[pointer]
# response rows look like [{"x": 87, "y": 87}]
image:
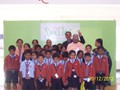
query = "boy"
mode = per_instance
[
  {"x": 56, "y": 74},
  {"x": 11, "y": 68},
  {"x": 48, "y": 58},
  {"x": 27, "y": 72},
  {"x": 41, "y": 73},
  {"x": 101, "y": 68},
  {"x": 88, "y": 72}
]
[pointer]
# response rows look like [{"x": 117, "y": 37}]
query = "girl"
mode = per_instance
[
  {"x": 72, "y": 71},
  {"x": 34, "y": 57}
]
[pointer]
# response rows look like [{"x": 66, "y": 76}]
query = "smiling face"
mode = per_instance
[
  {"x": 87, "y": 58},
  {"x": 49, "y": 43},
  {"x": 40, "y": 59},
  {"x": 27, "y": 56},
  {"x": 75, "y": 38},
  {"x": 12, "y": 52},
  {"x": 56, "y": 59},
  {"x": 72, "y": 55},
  {"x": 19, "y": 43},
  {"x": 80, "y": 55},
  {"x": 88, "y": 49}
]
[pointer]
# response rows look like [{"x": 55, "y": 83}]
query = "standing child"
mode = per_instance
[
  {"x": 89, "y": 50},
  {"x": 48, "y": 58},
  {"x": 35, "y": 57},
  {"x": 11, "y": 68},
  {"x": 27, "y": 72},
  {"x": 88, "y": 72},
  {"x": 56, "y": 74},
  {"x": 41, "y": 74},
  {"x": 80, "y": 57},
  {"x": 72, "y": 71},
  {"x": 101, "y": 68}
]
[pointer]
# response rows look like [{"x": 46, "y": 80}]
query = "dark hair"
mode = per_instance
[
  {"x": 72, "y": 51},
  {"x": 35, "y": 52},
  {"x": 43, "y": 50},
  {"x": 12, "y": 47},
  {"x": 34, "y": 40},
  {"x": 100, "y": 47},
  {"x": 87, "y": 54},
  {"x": 19, "y": 40},
  {"x": 27, "y": 51},
  {"x": 37, "y": 46},
  {"x": 63, "y": 47},
  {"x": 65, "y": 54},
  {"x": 68, "y": 32},
  {"x": 41, "y": 55},
  {"x": 27, "y": 44},
  {"x": 46, "y": 46},
  {"x": 55, "y": 55},
  {"x": 100, "y": 41},
  {"x": 88, "y": 46},
  {"x": 48, "y": 51},
  {"x": 55, "y": 47},
  {"x": 59, "y": 44},
  {"x": 80, "y": 51}
]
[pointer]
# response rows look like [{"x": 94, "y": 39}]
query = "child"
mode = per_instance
[
  {"x": 101, "y": 68},
  {"x": 88, "y": 72},
  {"x": 48, "y": 58},
  {"x": 46, "y": 47},
  {"x": 34, "y": 57},
  {"x": 80, "y": 58},
  {"x": 56, "y": 74},
  {"x": 43, "y": 52},
  {"x": 11, "y": 68},
  {"x": 38, "y": 48},
  {"x": 72, "y": 71},
  {"x": 63, "y": 49},
  {"x": 89, "y": 50},
  {"x": 34, "y": 43},
  {"x": 27, "y": 72},
  {"x": 41, "y": 73}
]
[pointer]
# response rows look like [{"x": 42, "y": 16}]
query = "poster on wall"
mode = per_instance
[{"x": 56, "y": 31}]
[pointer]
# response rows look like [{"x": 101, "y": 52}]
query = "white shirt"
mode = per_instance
[
  {"x": 31, "y": 68},
  {"x": 48, "y": 61}
]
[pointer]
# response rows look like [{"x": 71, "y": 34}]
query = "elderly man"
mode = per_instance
[
  {"x": 76, "y": 45},
  {"x": 69, "y": 40}
]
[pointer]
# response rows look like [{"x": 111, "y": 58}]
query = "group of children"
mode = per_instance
[{"x": 51, "y": 69}]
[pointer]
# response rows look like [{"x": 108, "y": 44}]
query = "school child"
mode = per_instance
[
  {"x": 38, "y": 48},
  {"x": 41, "y": 74},
  {"x": 88, "y": 72},
  {"x": 72, "y": 72},
  {"x": 63, "y": 49},
  {"x": 59, "y": 47},
  {"x": 80, "y": 57},
  {"x": 56, "y": 76},
  {"x": 43, "y": 52},
  {"x": 101, "y": 68},
  {"x": 89, "y": 50},
  {"x": 11, "y": 68},
  {"x": 27, "y": 70},
  {"x": 64, "y": 62},
  {"x": 54, "y": 51},
  {"x": 48, "y": 58},
  {"x": 46, "y": 47},
  {"x": 35, "y": 57}
]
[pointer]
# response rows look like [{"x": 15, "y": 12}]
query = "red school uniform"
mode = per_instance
[
  {"x": 56, "y": 72},
  {"x": 41, "y": 70},
  {"x": 101, "y": 65},
  {"x": 70, "y": 66},
  {"x": 88, "y": 71},
  {"x": 11, "y": 63}
]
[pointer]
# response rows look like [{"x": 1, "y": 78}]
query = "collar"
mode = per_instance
[
  {"x": 87, "y": 63},
  {"x": 12, "y": 56},
  {"x": 99, "y": 57},
  {"x": 72, "y": 60},
  {"x": 40, "y": 64},
  {"x": 56, "y": 63},
  {"x": 27, "y": 60}
]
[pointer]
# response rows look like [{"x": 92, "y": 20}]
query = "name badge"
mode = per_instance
[
  {"x": 100, "y": 72},
  {"x": 75, "y": 76},
  {"x": 27, "y": 75},
  {"x": 73, "y": 70},
  {"x": 56, "y": 75}
]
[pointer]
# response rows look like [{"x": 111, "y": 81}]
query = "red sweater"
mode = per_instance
[
  {"x": 43, "y": 70},
  {"x": 101, "y": 64},
  {"x": 59, "y": 70},
  {"x": 11, "y": 64}
]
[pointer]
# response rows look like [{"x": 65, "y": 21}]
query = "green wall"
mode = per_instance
[{"x": 29, "y": 30}]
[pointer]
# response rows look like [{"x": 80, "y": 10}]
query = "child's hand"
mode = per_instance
[
  {"x": 50, "y": 84},
  {"x": 46, "y": 83}
]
